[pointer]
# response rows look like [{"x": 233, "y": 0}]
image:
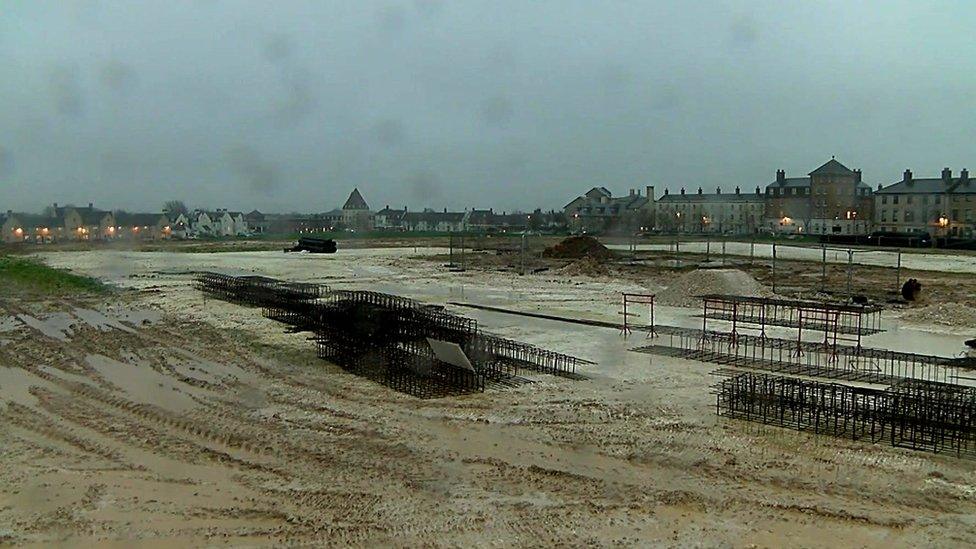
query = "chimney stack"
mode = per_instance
[
  {"x": 55, "y": 205},
  {"x": 946, "y": 175},
  {"x": 907, "y": 176},
  {"x": 91, "y": 205},
  {"x": 718, "y": 190},
  {"x": 857, "y": 176},
  {"x": 665, "y": 191},
  {"x": 650, "y": 192},
  {"x": 699, "y": 190},
  {"x": 781, "y": 177},
  {"x": 757, "y": 190},
  {"x": 682, "y": 190},
  {"x": 964, "y": 176},
  {"x": 736, "y": 189},
  {"x": 631, "y": 192}
]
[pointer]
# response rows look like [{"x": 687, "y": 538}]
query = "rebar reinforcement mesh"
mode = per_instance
[
  {"x": 919, "y": 415},
  {"x": 384, "y": 337}
]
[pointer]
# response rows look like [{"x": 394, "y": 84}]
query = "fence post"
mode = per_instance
[
  {"x": 850, "y": 273},
  {"x": 774, "y": 267},
  {"x": 898, "y": 273},
  {"x": 823, "y": 275}
]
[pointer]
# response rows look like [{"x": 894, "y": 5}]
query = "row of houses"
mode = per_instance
[
  {"x": 59, "y": 223},
  {"x": 73, "y": 223},
  {"x": 832, "y": 199},
  {"x": 356, "y": 215},
  {"x": 469, "y": 220}
]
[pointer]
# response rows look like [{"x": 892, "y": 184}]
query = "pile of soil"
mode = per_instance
[
  {"x": 586, "y": 266},
  {"x": 942, "y": 314},
  {"x": 578, "y": 247},
  {"x": 684, "y": 291}
]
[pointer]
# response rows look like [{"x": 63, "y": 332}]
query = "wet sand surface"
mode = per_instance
[{"x": 208, "y": 424}]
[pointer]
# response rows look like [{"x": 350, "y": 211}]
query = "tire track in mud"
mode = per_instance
[
  {"x": 30, "y": 420},
  {"x": 247, "y": 448}
]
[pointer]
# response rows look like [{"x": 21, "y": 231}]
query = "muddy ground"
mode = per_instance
[{"x": 207, "y": 424}]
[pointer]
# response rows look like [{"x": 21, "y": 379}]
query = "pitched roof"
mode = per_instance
[
  {"x": 391, "y": 214},
  {"x": 832, "y": 167},
  {"x": 791, "y": 182},
  {"x": 599, "y": 191},
  {"x": 89, "y": 215},
  {"x": 930, "y": 185},
  {"x": 712, "y": 197},
  {"x": 254, "y": 215},
  {"x": 34, "y": 220},
  {"x": 481, "y": 217},
  {"x": 355, "y": 201},
  {"x": 433, "y": 217},
  {"x": 126, "y": 219}
]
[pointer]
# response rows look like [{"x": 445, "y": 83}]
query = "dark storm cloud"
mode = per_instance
[
  {"x": 424, "y": 186},
  {"x": 506, "y": 104},
  {"x": 65, "y": 89},
  {"x": 744, "y": 32},
  {"x": 118, "y": 77},
  {"x": 297, "y": 101},
  {"x": 6, "y": 162},
  {"x": 497, "y": 110},
  {"x": 256, "y": 173},
  {"x": 277, "y": 48},
  {"x": 388, "y": 133}
]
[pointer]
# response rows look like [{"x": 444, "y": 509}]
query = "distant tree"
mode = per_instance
[
  {"x": 558, "y": 219},
  {"x": 175, "y": 207}
]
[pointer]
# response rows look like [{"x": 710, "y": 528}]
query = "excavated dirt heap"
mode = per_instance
[
  {"x": 586, "y": 266},
  {"x": 578, "y": 247},
  {"x": 943, "y": 314},
  {"x": 684, "y": 291}
]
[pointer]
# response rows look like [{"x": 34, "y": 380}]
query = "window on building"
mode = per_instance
[
  {"x": 894, "y": 199},
  {"x": 884, "y": 216},
  {"x": 925, "y": 200},
  {"x": 908, "y": 199},
  {"x": 884, "y": 199},
  {"x": 894, "y": 216},
  {"x": 909, "y": 216},
  {"x": 938, "y": 199}
]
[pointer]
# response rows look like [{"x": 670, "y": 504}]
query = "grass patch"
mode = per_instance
[{"x": 32, "y": 275}]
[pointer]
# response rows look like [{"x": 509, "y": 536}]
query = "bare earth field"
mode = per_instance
[{"x": 151, "y": 416}]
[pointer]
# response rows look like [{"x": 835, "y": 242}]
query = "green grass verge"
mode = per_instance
[{"x": 31, "y": 275}]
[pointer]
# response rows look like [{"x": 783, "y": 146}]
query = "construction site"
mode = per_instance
[{"x": 529, "y": 392}]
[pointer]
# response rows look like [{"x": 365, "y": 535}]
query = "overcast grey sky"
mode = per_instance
[{"x": 288, "y": 105}]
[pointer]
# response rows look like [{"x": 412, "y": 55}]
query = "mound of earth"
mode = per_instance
[
  {"x": 586, "y": 266},
  {"x": 943, "y": 314},
  {"x": 578, "y": 247},
  {"x": 684, "y": 291}
]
